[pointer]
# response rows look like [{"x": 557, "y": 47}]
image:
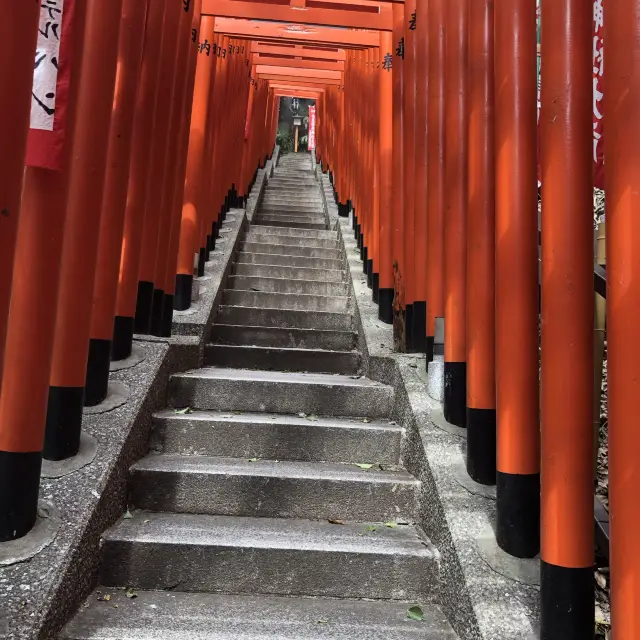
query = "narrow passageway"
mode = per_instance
[{"x": 272, "y": 504}]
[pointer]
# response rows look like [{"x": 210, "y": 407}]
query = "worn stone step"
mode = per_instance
[
  {"x": 284, "y": 337},
  {"x": 277, "y": 196},
  {"x": 294, "y": 273},
  {"x": 287, "y": 207},
  {"x": 198, "y": 616},
  {"x": 274, "y": 220},
  {"x": 244, "y": 257},
  {"x": 267, "y": 284},
  {"x": 284, "y": 318},
  {"x": 282, "y": 359},
  {"x": 293, "y": 301},
  {"x": 271, "y": 489},
  {"x": 235, "y": 555},
  {"x": 255, "y": 235},
  {"x": 220, "y": 389},
  {"x": 290, "y": 250},
  {"x": 292, "y": 231},
  {"x": 293, "y": 181},
  {"x": 276, "y": 437}
]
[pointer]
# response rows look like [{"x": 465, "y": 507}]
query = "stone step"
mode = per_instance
[
  {"x": 221, "y": 389},
  {"x": 198, "y": 616},
  {"x": 267, "y": 284},
  {"x": 294, "y": 273},
  {"x": 294, "y": 214},
  {"x": 271, "y": 489},
  {"x": 284, "y": 318},
  {"x": 282, "y": 359},
  {"x": 273, "y": 220},
  {"x": 255, "y": 235},
  {"x": 290, "y": 250},
  {"x": 244, "y": 257},
  {"x": 285, "y": 337},
  {"x": 292, "y": 231},
  {"x": 292, "y": 301},
  {"x": 290, "y": 208},
  {"x": 276, "y": 437},
  {"x": 278, "y": 196},
  {"x": 293, "y": 181},
  {"x": 236, "y": 555}
]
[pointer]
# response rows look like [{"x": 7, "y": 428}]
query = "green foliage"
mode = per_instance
[{"x": 284, "y": 141}]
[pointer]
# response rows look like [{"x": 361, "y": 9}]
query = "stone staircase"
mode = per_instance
[{"x": 274, "y": 506}]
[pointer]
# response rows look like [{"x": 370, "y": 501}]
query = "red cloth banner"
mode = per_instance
[
  {"x": 312, "y": 128},
  {"x": 50, "y": 94}
]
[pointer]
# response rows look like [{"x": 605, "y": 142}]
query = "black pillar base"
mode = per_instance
[
  {"x": 96, "y": 385},
  {"x": 215, "y": 232},
  {"x": 369, "y": 271},
  {"x": 408, "y": 330},
  {"x": 354, "y": 224},
  {"x": 207, "y": 249},
  {"x": 19, "y": 487},
  {"x": 363, "y": 254},
  {"x": 358, "y": 238},
  {"x": 122, "y": 338},
  {"x": 182, "y": 297},
  {"x": 481, "y": 445},
  {"x": 202, "y": 259},
  {"x": 385, "y": 305},
  {"x": 156, "y": 312},
  {"x": 167, "y": 315},
  {"x": 567, "y": 600},
  {"x": 429, "y": 347},
  {"x": 343, "y": 212},
  {"x": 376, "y": 288},
  {"x": 143, "y": 307},
  {"x": 455, "y": 393},
  {"x": 64, "y": 423},
  {"x": 518, "y": 520},
  {"x": 419, "y": 326}
]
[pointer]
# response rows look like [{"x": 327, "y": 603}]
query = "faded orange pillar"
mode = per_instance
[
  {"x": 622, "y": 183},
  {"x": 114, "y": 202},
  {"x": 139, "y": 180},
  {"x": 566, "y": 121},
  {"x": 455, "y": 227},
  {"x": 30, "y": 330},
  {"x": 435, "y": 179},
  {"x": 518, "y": 451},
  {"x": 18, "y": 36},
  {"x": 190, "y": 225},
  {"x": 79, "y": 254},
  {"x": 481, "y": 377}
]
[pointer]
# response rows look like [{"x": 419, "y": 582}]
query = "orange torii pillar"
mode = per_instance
[
  {"x": 191, "y": 222},
  {"x": 481, "y": 377},
  {"x": 18, "y": 36},
  {"x": 153, "y": 218},
  {"x": 114, "y": 202},
  {"x": 375, "y": 193},
  {"x": 622, "y": 180},
  {"x": 140, "y": 183},
  {"x": 32, "y": 317},
  {"x": 385, "y": 133},
  {"x": 79, "y": 254},
  {"x": 455, "y": 224},
  {"x": 517, "y": 406},
  {"x": 566, "y": 145},
  {"x": 398, "y": 180},
  {"x": 435, "y": 181}
]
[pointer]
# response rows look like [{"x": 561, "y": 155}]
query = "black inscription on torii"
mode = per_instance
[
  {"x": 387, "y": 63},
  {"x": 400, "y": 48},
  {"x": 412, "y": 22},
  {"x": 187, "y": 5}
]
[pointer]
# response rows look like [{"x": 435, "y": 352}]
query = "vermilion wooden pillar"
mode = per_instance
[
  {"x": 30, "y": 330},
  {"x": 518, "y": 452},
  {"x": 481, "y": 377},
  {"x": 18, "y": 35},
  {"x": 455, "y": 227},
  {"x": 191, "y": 215},
  {"x": 78, "y": 267},
  {"x": 435, "y": 177},
  {"x": 385, "y": 294},
  {"x": 622, "y": 184},
  {"x": 114, "y": 202},
  {"x": 375, "y": 149},
  {"x": 566, "y": 121},
  {"x": 139, "y": 179}
]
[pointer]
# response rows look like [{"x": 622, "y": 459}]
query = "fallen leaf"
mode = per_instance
[
  {"x": 130, "y": 593},
  {"x": 184, "y": 411},
  {"x": 371, "y": 527},
  {"x": 601, "y": 580},
  {"x": 313, "y": 418},
  {"x": 363, "y": 465},
  {"x": 302, "y": 415},
  {"x": 105, "y": 598},
  {"x": 128, "y": 516},
  {"x": 253, "y": 459},
  {"x": 391, "y": 525},
  {"x": 323, "y": 621},
  {"x": 366, "y": 420},
  {"x": 415, "y": 613},
  {"x": 332, "y": 521}
]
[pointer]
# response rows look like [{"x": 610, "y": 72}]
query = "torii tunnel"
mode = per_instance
[{"x": 143, "y": 122}]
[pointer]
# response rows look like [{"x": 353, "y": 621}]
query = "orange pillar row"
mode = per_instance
[
  {"x": 140, "y": 183},
  {"x": 385, "y": 133},
  {"x": 481, "y": 377},
  {"x": 31, "y": 324},
  {"x": 622, "y": 182},
  {"x": 455, "y": 226},
  {"x": 374, "y": 134},
  {"x": 114, "y": 202},
  {"x": 192, "y": 215},
  {"x": 18, "y": 37},
  {"x": 566, "y": 150},
  {"x": 79, "y": 254},
  {"x": 517, "y": 406}
]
